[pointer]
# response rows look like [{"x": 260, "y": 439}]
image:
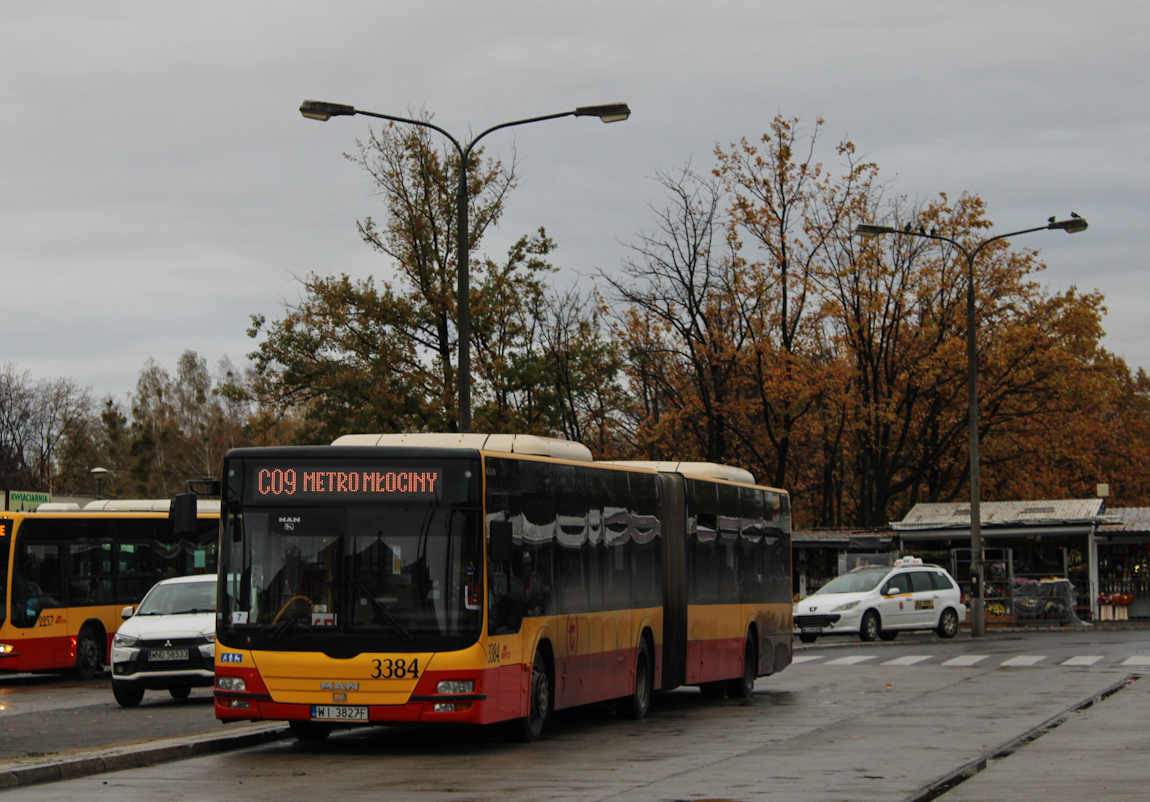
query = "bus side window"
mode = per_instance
[
  {"x": 518, "y": 496},
  {"x": 37, "y": 583}
]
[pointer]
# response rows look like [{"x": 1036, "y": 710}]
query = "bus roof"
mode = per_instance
[
  {"x": 507, "y": 443},
  {"x": 210, "y": 506},
  {"x": 703, "y": 470}
]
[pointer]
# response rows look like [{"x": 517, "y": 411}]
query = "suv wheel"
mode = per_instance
[{"x": 948, "y": 624}]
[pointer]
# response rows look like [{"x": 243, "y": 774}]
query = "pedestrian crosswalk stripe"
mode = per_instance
[
  {"x": 1082, "y": 660},
  {"x": 908, "y": 660},
  {"x": 1024, "y": 660},
  {"x": 805, "y": 658},
  {"x": 966, "y": 660},
  {"x": 850, "y": 661},
  {"x": 1137, "y": 660}
]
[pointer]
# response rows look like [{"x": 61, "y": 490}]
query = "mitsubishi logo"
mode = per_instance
[{"x": 167, "y": 643}]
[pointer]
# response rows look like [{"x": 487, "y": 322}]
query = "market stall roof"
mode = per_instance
[
  {"x": 842, "y": 538},
  {"x": 956, "y": 514},
  {"x": 1127, "y": 520}
]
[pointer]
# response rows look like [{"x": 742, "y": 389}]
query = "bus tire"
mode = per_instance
[
  {"x": 87, "y": 654},
  {"x": 310, "y": 731},
  {"x": 635, "y": 705},
  {"x": 529, "y": 729},
  {"x": 744, "y": 687},
  {"x": 128, "y": 694}
]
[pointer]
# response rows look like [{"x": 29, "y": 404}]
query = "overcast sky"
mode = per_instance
[{"x": 158, "y": 185}]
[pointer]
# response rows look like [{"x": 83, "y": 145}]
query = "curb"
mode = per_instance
[{"x": 134, "y": 757}]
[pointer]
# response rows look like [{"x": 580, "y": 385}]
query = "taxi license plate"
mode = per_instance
[
  {"x": 810, "y": 630},
  {"x": 338, "y": 713},
  {"x": 168, "y": 654}
]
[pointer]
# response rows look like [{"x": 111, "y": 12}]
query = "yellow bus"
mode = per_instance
[
  {"x": 489, "y": 578},
  {"x": 69, "y": 572}
]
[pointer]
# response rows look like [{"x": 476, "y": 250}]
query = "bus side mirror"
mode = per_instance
[
  {"x": 182, "y": 514},
  {"x": 500, "y": 545}
]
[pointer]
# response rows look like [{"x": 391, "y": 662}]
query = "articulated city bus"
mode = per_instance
[
  {"x": 489, "y": 578},
  {"x": 69, "y": 572}
]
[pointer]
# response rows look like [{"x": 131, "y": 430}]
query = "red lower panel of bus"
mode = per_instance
[
  {"x": 40, "y": 653},
  {"x": 714, "y": 660},
  {"x": 578, "y": 680}
]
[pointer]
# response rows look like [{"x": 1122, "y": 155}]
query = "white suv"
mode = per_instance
[
  {"x": 881, "y": 601},
  {"x": 169, "y": 643}
]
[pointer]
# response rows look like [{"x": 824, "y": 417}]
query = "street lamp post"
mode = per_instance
[
  {"x": 1071, "y": 226},
  {"x": 319, "y": 110},
  {"x": 99, "y": 474}
]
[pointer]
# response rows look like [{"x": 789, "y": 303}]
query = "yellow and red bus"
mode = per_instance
[
  {"x": 489, "y": 578},
  {"x": 69, "y": 572}
]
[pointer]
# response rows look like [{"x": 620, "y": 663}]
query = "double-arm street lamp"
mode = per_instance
[
  {"x": 318, "y": 110},
  {"x": 1071, "y": 226}
]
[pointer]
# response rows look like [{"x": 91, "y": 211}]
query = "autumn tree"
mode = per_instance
[
  {"x": 42, "y": 424},
  {"x": 381, "y": 355}
]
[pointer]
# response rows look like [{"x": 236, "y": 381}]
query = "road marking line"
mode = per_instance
[
  {"x": 908, "y": 660},
  {"x": 966, "y": 660},
  {"x": 1082, "y": 660},
  {"x": 1024, "y": 660},
  {"x": 1137, "y": 660},
  {"x": 806, "y": 658},
  {"x": 849, "y": 661}
]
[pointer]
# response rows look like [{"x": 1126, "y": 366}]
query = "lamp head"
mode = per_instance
[
  {"x": 610, "y": 113},
  {"x": 319, "y": 110},
  {"x": 1071, "y": 226},
  {"x": 870, "y": 232}
]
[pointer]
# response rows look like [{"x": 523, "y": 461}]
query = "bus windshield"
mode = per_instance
[{"x": 390, "y": 576}]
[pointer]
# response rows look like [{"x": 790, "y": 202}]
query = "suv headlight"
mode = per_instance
[
  {"x": 211, "y": 636},
  {"x": 842, "y": 608},
  {"x": 124, "y": 640}
]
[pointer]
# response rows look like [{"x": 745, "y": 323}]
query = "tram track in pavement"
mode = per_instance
[{"x": 943, "y": 785}]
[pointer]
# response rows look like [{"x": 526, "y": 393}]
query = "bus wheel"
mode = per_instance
[
  {"x": 127, "y": 694},
  {"x": 309, "y": 730},
  {"x": 744, "y": 686},
  {"x": 635, "y": 706},
  {"x": 529, "y": 728},
  {"x": 87, "y": 654}
]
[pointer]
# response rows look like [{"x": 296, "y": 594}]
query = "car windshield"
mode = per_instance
[
  {"x": 180, "y": 598},
  {"x": 861, "y": 582}
]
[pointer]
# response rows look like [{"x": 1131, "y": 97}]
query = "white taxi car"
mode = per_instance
[
  {"x": 169, "y": 643},
  {"x": 881, "y": 601}
]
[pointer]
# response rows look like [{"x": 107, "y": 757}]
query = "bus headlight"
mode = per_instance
[
  {"x": 231, "y": 684},
  {"x": 124, "y": 641},
  {"x": 456, "y": 686},
  {"x": 6, "y": 648}
]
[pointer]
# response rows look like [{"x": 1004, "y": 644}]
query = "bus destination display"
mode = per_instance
[{"x": 319, "y": 481}]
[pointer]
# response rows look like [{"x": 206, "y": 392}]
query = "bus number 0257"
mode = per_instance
[{"x": 395, "y": 669}]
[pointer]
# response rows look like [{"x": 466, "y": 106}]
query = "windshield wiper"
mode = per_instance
[
  {"x": 193, "y": 610},
  {"x": 384, "y": 613}
]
